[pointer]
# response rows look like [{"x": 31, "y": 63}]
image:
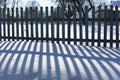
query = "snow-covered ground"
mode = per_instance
[{"x": 27, "y": 60}]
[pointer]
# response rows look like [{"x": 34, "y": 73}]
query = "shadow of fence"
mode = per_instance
[{"x": 51, "y": 61}]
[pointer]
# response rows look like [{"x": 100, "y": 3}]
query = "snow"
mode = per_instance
[{"x": 31, "y": 60}]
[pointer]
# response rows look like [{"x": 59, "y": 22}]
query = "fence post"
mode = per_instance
[
  {"x": 0, "y": 27},
  {"x": 75, "y": 30},
  {"x": 47, "y": 26},
  {"x": 93, "y": 25},
  {"x": 63, "y": 26},
  {"x": 99, "y": 25},
  {"x": 58, "y": 17},
  {"x": 80, "y": 29},
  {"x": 52, "y": 24},
  {"x": 22, "y": 29},
  {"x": 8, "y": 23},
  {"x": 111, "y": 26},
  {"x": 36, "y": 22},
  {"x": 117, "y": 26},
  {"x": 17, "y": 23},
  {"x": 41, "y": 21},
  {"x": 86, "y": 24},
  {"x": 105, "y": 26}
]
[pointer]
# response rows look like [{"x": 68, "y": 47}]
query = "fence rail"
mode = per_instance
[{"x": 52, "y": 25}]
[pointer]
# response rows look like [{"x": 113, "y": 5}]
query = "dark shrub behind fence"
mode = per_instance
[{"x": 52, "y": 25}]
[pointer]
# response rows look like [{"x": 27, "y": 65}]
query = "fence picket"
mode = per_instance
[
  {"x": 4, "y": 23},
  {"x": 47, "y": 27},
  {"x": 31, "y": 21},
  {"x": 69, "y": 24},
  {"x": 8, "y": 23},
  {"x": 111, "y": 26},
  {"x": 17, "y": 24},
  {"x": 0, "y": 26},
  {"x": 99, "y": 25},
  {"x": 36, "y": 22},
  {"x": 52, "y": 24},
  {"x": 80, "y": 29},
  {"x": 93, "y": 25},
  {"x": 41, "y": 21},
  {"x": 63, "y": 26},
  {"x": 75, "y": 30},
  {"x": 13, "y": 29},
  {"x": 58, "y": 17},
  {"x": 26, "y": 21},
  {"x": 105, "y": 26},
  {"x": 22, "y": 29},
  {"x": 117, "y": 27},
  {"x": 86, "y": 24}
]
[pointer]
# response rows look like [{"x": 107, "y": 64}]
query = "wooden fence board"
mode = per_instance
[
  {"x": 111, "y": 26},
  {"x": 105, "y": 27},
  {"x": 63, "y": 26},
  {"x": 41, "y": 21},
  {"x": 17, "y": 24},
  {"x": 117, "y": 27},
  {"x": 58, "y": 22},
  {"x": 86, "y": 24},
  {"x": 0, "y": 26},
  {"x": 80, "y": 31},
  {"x": 99, "y": 25},
  {"x": 31, "y": 21},
  {"x": 4, "y": 24},
  {"x": 75, "y": 30},
  {"x": 22, "y": 29},
  {"x": 93, "y": 25},
  {"x": 13, "y": 29},
  {"x": 47, "y": 26},
  {"x": 8, "y": 23},
  {"x": 69, "y": 23},
  {"x": 52, "y": 25},
  {"x": 26, "y": 16},
  {"x": 36, "y": 22}
]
